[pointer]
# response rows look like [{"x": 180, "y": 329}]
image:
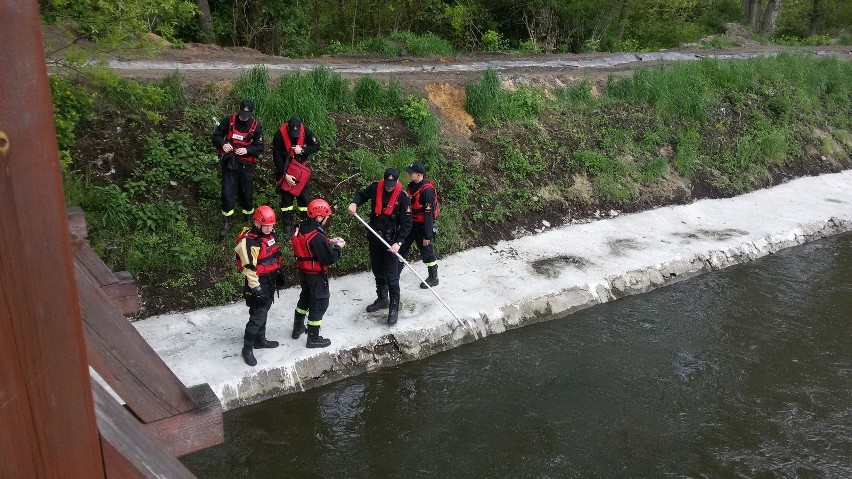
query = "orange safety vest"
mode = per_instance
[
  {"x": 387, "y": 210},
  {"x": 418, "y": 212},
  {"x": 306, "y": 262}
]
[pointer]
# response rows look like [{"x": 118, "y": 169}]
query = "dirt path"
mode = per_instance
[{"x": 202, "y": 63}]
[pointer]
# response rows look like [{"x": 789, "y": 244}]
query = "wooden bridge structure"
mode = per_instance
[{"x": 62, "y": 313}]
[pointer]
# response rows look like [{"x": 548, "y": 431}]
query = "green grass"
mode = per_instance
[{"x": 490, "y": 104}]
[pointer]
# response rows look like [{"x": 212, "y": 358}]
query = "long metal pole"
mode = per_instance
[{"x": 377, "y": 235}]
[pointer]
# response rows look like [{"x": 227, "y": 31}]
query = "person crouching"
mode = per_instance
[
  {"x": 259, "y": 260},
  {"x": 314, "y": 253}
]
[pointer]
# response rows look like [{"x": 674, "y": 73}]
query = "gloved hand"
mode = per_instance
[{"x": 257, "y": 292}]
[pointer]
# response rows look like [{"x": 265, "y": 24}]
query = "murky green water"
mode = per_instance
[{"x": 742, "y": 373}]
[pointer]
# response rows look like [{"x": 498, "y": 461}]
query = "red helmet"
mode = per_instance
[
  {"x": 319, "y": 207},
  {"x": 264, "y": 216}
]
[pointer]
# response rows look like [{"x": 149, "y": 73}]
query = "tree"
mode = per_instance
[
  {"x": 205, "y": 20},
  {"x": 766, "y": 22},
  {"x": 815, "y": 20}
]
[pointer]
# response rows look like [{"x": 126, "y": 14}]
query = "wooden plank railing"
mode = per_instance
[{"x": 182, "y": 419}]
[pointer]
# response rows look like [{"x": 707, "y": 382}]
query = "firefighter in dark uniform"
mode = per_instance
[
  {"x": 314, "y": 253},
  {"x": 259, "y": 260},
  {"x": 424, "y": 204},
  {"x": 391, "y": 218},
  {"x": 239, "y": 142},
  {"x": 292, "y": 142}
]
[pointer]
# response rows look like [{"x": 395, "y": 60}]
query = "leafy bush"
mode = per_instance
[
  {"x": 415, "y": 112},
  {"x": 337, "y": 48},
  {"x": 529, "y": 46},
  {"x": 493, "y": 41},
  {"x": 71, "y": 103},
  {"x": 116, "y": 22},
  {"x": 139, "y": 101}
]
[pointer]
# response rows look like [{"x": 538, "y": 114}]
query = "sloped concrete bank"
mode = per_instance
[{"x": 501, "y": 287}]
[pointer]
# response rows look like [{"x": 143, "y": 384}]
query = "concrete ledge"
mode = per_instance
[{"x": 500, "y": 287}]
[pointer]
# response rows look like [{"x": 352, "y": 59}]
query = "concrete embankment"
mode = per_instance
[{"x": 500, "y": 287}]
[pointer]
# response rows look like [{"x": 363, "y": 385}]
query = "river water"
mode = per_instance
[{"x": 745, "y": 372}]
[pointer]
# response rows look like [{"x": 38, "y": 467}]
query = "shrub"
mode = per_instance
[
  {"x": 492, "y": 41},
  {"x": 415, "y": 112},
  {"x": 71, "y": 103},
  {"x": 529, "y": 46}
]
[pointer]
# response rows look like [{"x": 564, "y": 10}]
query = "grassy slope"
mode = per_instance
[{"x": 143, "y": 169}]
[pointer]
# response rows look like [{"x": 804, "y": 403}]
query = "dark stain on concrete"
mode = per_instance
[
  {"x": 832, "y": 200},
  {"x": 717, "y": 235},
  {"x": 619, "y": 246},
  {"x": 551, "y": 267}
]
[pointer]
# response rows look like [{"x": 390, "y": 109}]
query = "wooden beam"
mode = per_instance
[
  {"x": 128, "y": 451},
  {"x": 47, "y": 416},
  {"x": 93, "y": 264},
  {"x": 124, "y": 293},
  {"x": 125, "y": 361},
  {"x": 77, "y": 225},
  {"x": 194, "y": 430}
]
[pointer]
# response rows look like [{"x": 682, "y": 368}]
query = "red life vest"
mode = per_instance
[
  {"x": 288, "y": 143},
  {"x": 388, "y": 210},
  {"x": 306, "y": 262},
  {"x": 267, "y": 260},
  {"x": 239, "y": 139},
  {"x": 418, "y": 211}
]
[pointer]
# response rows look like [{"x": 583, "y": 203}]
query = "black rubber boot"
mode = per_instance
[
  {"x": 248, "y": 355},
  {"x": 393, "y": 311},
  {"x": 223, "y": 231},
  {"x": 298, "y": 325},
  {"x": 381, "y": 301},
  {"x": 315, "y": 340},
  {"x": 262, "y": 343},
  {"x": 432, "y": 280}
]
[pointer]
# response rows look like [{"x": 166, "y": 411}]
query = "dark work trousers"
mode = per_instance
[
  {"x": 302, "y": 200},
  {"x": 314, "y": 297},
  {"x": 258, "y": 310},
  {"x": 237, "y": 184},
  {"x": 384, "y": 264},
  {"x": 427, "y": 253},
  {"x": 287, "y": 206}
]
